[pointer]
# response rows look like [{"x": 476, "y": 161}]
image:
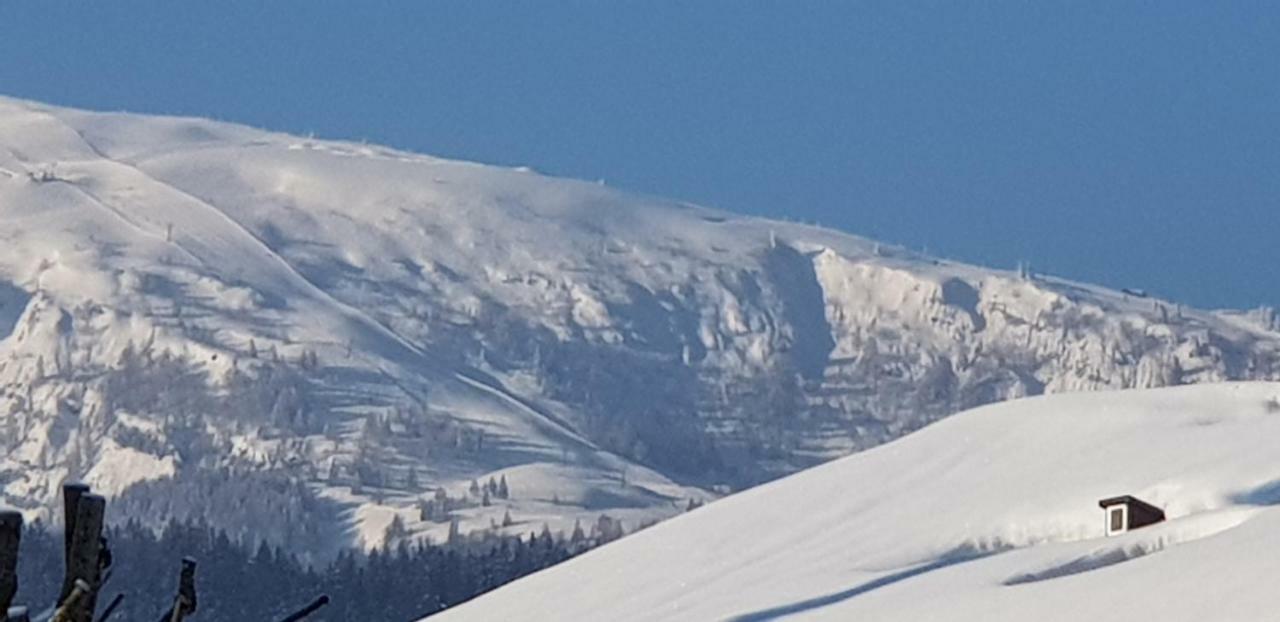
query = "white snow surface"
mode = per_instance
[
  {"x": 552, "y": 321},
  {"x": 194, "y": 237},
  {"x": 990, "y": 515}
]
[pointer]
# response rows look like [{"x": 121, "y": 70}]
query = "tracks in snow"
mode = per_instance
[{"x": 223, "y": 245}]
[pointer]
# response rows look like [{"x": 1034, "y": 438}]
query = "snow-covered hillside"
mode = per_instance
[
  {"x": 991, "y": 515},
  {"x": 308, "y": 339}
]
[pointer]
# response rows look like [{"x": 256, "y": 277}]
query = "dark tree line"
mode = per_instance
[{"x": 241, "y": 582}]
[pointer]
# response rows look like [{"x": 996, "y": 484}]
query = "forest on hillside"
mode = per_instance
[{"x": 236, "y": 581}]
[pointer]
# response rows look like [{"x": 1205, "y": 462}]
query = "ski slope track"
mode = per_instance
[
  {"x": 336, "y": 339},
  {"x": 988, "y": 516}
]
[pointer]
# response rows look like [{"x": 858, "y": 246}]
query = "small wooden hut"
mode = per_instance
[{"x": 1125, "y": 513}]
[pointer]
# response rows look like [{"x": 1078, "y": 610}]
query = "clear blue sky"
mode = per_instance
[{"x": 1129, "y": 143}]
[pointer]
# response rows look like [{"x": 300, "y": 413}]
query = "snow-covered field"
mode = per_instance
[{"x": 990, "y": 515}]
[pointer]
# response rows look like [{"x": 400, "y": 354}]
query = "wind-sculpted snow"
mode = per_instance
[
  {"x": 208, "y": 303},
  {"x": 990, "y": 515}
]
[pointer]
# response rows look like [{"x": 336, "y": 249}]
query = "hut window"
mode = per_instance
[{"x": 1116, "y": 518}]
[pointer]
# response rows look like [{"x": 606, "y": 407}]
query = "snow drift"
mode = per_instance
[{"x": 989, "y": 515}]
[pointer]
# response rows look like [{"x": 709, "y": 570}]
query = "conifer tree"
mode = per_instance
[{"x": 455, "y": 537}]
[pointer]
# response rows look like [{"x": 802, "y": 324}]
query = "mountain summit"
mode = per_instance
[{"x": 317, "y": 341}]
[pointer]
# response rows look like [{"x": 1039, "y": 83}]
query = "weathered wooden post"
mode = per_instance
[
  {"x": 10, "y": 537},
  {"x": 71, "y": 494},
  {"x": 86, "y": 551},
  {"x": 185, "y": 602},
  {"x": 309, "y": 609},
  {"x": 83, "y": 545}
]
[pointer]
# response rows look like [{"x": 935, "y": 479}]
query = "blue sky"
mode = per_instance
[{"x": 1134, "y": 144}]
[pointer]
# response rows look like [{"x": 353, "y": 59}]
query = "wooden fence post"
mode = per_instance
[
  {"x": 10, "y": 537},
  {"x": 84, "y": 561},
  {"x": 184, "y": 604},
  {"x": 315, "y": 605},
  {"x": 71, "y": 494}
]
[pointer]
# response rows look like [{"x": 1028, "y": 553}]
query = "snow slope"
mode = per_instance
[
  {"x": 327, "y": 336},
  {"x": 990, "y": 515},
  {"x": 102, "y": 259}
]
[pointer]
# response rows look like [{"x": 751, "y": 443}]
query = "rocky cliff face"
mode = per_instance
[{"x": 326, "y": 336}]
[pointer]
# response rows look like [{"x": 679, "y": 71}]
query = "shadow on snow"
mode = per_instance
[{"x": 953, "y": 558}]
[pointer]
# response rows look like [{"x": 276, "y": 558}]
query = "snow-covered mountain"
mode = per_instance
[
  {"x": 307, "y": 340},
  {"x": 991, "y": 515}
]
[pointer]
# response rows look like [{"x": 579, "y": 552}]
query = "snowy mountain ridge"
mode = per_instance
[{"x": 193, "y": 313}]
